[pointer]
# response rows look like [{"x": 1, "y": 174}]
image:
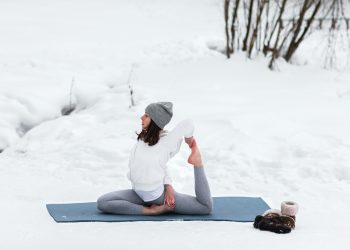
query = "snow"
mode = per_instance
[{"x": 281, "y": 135}]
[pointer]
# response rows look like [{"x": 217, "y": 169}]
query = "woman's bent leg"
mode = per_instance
[
  {"x": 202, "y": 203},
  {"x": 121, "y": 202}
]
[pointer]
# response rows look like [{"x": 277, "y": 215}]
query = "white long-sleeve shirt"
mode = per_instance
[{"x": 147, "y": 164}]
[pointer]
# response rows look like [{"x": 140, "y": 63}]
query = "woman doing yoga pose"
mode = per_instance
[{"x": 152, "y": 192}]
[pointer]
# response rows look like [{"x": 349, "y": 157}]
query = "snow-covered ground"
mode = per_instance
[{"x": 280, "y": 135}]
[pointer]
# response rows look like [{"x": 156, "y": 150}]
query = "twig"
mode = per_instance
[
  {"x": 71, "y": 93},
  {"x": 130, "y": 87}
]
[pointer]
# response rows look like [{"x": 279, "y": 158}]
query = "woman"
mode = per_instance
[{"x": 151, "y": 192}]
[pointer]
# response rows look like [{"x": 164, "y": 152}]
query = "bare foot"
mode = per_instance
[
  {"x": 195, "y": 157},
  {"x": 156, "y": 209}
]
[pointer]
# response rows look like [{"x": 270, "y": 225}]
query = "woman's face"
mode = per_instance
[{"x": 146, "y": 120}]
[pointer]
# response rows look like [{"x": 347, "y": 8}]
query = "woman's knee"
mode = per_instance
[
  {"x": 104, "y": 201},
  {"x": 208, "y": 210},
  {"x": 101, "y": 203},
  {"x": 209, "y": 207}
]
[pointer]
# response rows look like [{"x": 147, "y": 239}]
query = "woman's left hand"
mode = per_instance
[
  {"x": 189, "y": 141},
  {"x": 169, "y": 197}
]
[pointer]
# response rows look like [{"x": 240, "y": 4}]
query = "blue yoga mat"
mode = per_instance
[{"x": 242, "y": 209}]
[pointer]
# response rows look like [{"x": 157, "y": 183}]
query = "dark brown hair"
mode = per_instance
[{"x": 150, "y": 135}]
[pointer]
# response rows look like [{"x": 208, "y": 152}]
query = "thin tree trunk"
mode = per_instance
[
  {"x": 295, "y": 42},
  {"x": 250, "y": 13},
  {"x": 266, "y": 22},
  {"x": 260, "y": 7},
  {"x": 298, "y": 25},
  {"x": 275, "y": 52},
  {"x": 226, "y": 10},
  {"x": 233, "y": 31},
  {"x": 278, "y": 22}
]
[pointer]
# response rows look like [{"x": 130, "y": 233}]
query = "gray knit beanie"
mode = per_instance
[{"x": 160, "y": 113}]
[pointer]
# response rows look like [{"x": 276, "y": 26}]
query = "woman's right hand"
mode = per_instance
[{"x": 169, "y": 197}]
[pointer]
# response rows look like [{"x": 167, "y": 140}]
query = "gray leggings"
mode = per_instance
[{"x": 128, "y": 202}]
